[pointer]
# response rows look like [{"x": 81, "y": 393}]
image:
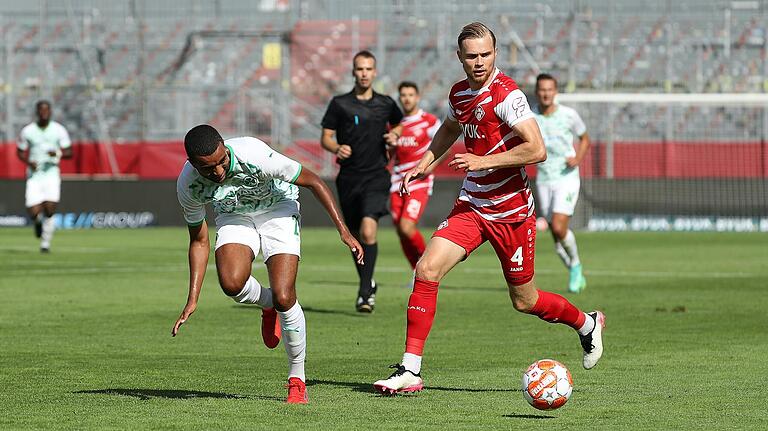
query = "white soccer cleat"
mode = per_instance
[
  {"x": 401, "y": 381},
  {"x": 592, "y": 343}
]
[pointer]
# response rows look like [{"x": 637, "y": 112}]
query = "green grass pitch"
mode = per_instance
[{"x": 85, "y": 338}]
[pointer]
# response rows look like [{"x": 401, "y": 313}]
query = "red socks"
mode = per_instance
[
  {"x": 421, "y": 314},
  {"x": 413, "y": 247},
  {"x": 555, "y": 309}
]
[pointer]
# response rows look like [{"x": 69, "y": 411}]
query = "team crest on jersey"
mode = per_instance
[{"x": 479, "y": 113}]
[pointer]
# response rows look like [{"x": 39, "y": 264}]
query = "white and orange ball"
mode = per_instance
[{"x": 547, "y": 384}]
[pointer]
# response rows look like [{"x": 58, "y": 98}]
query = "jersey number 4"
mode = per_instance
[{"x": 517, "y": 256}]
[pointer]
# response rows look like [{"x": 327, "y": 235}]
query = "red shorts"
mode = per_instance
[
  {"x": 514, "y": 242},
  {"x": 408, "y": 206}
]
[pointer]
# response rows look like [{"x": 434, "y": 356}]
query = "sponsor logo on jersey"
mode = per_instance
[
  {"x": 407, "y": 141},
  {"x": 470, "y": 130}
]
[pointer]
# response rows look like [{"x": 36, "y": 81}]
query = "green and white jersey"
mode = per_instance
[
  {"x": 40, "y": 142},
  {"x": 258, "y": 178},
  {"x": 559, "y": 131}
]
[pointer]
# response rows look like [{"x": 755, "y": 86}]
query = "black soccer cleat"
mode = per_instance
[{"x": 364, "y": 305}]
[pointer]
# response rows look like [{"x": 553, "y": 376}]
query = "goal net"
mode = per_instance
[{"x": 674, "y": 161}]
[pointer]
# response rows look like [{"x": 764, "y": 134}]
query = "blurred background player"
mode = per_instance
[
  {"x": 419, "y": 128},
  {"x": 495, "y": 204},
  {"x": 253, "y": 192},
  {"x": 557, "y": 179},
  {"x": 358, "y": 127},
  {"x": 41, "y": 147}
]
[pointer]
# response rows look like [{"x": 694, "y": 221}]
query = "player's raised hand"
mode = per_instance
[
  {"x": 188, "y": 310},
  {"x": 466, "y": 162},
  {"x": 354, "y": 246},
  {"x": 344, "y": 152}
]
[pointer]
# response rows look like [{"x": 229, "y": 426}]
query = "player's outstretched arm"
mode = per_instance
[
  {"x": 310, "y": 180},
  {"x": 199, "y": 248},
  {"x": 445, "y": 136},
  {"x": 529, "y": 152}
]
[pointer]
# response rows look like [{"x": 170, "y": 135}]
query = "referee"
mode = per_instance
[{"x": 364, "y": 123}]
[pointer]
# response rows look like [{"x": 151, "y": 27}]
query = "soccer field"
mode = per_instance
[{"x": 85, "y": 338}]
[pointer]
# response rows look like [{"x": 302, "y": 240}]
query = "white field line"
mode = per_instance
[{"x": 108, "y": 267}]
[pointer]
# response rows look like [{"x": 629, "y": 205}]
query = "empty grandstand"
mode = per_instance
[{"x": 128, "y": 77}]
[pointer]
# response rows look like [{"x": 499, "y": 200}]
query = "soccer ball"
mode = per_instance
[{"x": 547, "y": 384}]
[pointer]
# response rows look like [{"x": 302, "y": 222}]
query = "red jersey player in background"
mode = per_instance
[
  {"x": 495, "y": 204},
  {"x": 419, "y": 128}
]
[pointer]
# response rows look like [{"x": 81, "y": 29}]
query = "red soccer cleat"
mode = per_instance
[
  {"x": 297, "y": 391},
  {"x": 270, "y": 328}
]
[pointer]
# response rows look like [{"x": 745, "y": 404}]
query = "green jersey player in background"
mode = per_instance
[
  {"x": 41, "y": 146},
  {"x": 557, "y": 178},
  {"x": 253, "y": 191}
]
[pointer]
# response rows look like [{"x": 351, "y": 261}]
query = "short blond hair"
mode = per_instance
[{"x": 476, "y": 30}]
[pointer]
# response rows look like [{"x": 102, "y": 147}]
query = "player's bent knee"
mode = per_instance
[
  {"x": 427, "y": 269},
  {"x": 283, "y": 299},
  {"x": 232, "y": 285},
  {"x": 406, "y": 228},
  {"x": 523, "y": 296},
  {"x": 522, "y": 305}
]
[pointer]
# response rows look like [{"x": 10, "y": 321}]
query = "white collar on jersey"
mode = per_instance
[
  {"x": 471, "y": 92},
  {"x": 415, "y": 116}
]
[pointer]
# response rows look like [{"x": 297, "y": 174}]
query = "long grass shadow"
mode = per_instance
[
  {"x": 330, "y": 311},
  {"x": 308, "y": 310},
  {"x": 316, "y": 281},
  {"x": 368, "y": 387},
  {"x": 516, "y": 416},
  {"x": 179, "y": 394}
]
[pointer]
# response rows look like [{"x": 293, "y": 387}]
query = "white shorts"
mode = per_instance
[
  {"x": 274, "y": 232},
  {"x": 559, "y": 197},
  {"x": 42, "y": 188}
]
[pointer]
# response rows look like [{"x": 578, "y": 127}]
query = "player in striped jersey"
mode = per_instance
[
  {"x": 495, "y": 204},
  {"x": 419, "y": 128}
]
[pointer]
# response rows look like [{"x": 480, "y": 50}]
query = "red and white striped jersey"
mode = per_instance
[
  {"x": 486, "y": 117},
  {"x": 418, "y": 131}
]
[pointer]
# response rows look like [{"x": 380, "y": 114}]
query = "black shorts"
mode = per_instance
[{"x": 363, "y": 195}]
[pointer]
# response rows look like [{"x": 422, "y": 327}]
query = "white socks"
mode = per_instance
[
  {"x": 412, "y": 362},
  {"x": 254, "y": 293},
  {"x": 569, "y": 246},
  {"x": 48, "y": 227},
  {"x": 588, "y": 326},
  {"x": 292, "y": 324},
  {"x": 294, "y": 334},
  {"x": 562, "y": 254}
]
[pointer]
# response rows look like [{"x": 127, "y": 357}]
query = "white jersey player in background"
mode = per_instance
[
  {"x": 557, "y": 178},
  {"x": 41, "y": 146},
  {"x": 253, "y": 191}
]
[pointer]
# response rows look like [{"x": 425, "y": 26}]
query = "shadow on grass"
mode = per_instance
[
  {"x": 368, "y": 387},
  {"x": 310, "y": 310},
  {"x": 179, "y": 394},
  {"x": 514, "y": 416}
]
